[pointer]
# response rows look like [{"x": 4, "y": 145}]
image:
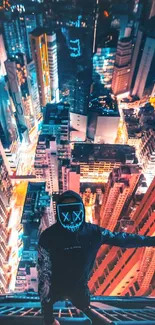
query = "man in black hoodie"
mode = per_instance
[{"x": 67, "y": 251}]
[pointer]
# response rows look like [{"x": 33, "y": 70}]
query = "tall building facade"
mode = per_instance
[
  {"x": 12, "y": 36},
  {"x": 9, "y": 132},
  {"x": 19, "y": 86},
  {"x": 146, "y": 64},
  {"x": 28, "y": 23},
  {"x": 78, "y": 127},
  {"x": 70, "y": 177},
  {"x": 103, "y": 65},
  {"x": 56, "y": 122},
  {"x": 79, "y": 41},
  {"x": 53, "y": 66},
  {"x": 147, "y": 154},
  {"x": 122, "y": 68},
  {"x": 38, "y": 40},
  {"x": 46, "y": 163},
  {"x": 130, "y": 272},
  {"x": 5, "y": 195},
  {"x": 38, "y": 202},
  {"x": 119, "y": 189},
  {"x": 34, "y": 89}
]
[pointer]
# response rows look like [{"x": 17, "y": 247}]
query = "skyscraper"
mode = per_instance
[
  {"x": 79, "y": 68},
  {"x": 103, "y": 65},
  {"x": 132, "y": 270},
  {"x": 34, "y": 89},
  {"x": 46, "y": 162},
  {"x": 9, "y": 132},
  {"x": 53, "y": 66},
  {"x": 37, "y": 201},
  {"x": 147, "y": 154},
  {"x": 38, "y": 39},
  {"x": 5, "y": 194},
  {"x": 56, "y": 122},
  {"x": 12, "y": 36},
  {"x": 120, "y": 187},
  {"x": 122, "y": 68},
  {"x": 143, "y": 61},
  {"x": 70, "y": 177},
  {"x": 20, "y": 91},
  {"x": 27, "y": 23}
]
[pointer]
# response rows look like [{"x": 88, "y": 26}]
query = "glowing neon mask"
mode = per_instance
[{"x": 70, "y": 215}]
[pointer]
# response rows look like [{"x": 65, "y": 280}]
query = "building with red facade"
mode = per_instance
[{"x": 128, "y": 271}]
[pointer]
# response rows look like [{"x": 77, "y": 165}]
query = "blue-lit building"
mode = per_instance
[
  {"x": 34, "y": 89},
  {"x": 28, "y": 23},
  {"x": 37, "y": 200},
  {"x": 79, "y": 44},
  {"x": 9, "y": 132},
  {"x": 103, "y": 65},
  {"x": 13, "y": 36},
  {"x": 20, "y": 90}
]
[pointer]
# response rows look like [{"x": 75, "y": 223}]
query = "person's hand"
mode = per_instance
[{"x": 56, "y": 322}]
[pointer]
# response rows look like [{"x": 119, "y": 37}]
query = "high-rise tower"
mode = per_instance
[
  {"x": 20, "y": 91},
  {"x": 53, "y": 66},
  {"x": 143, "y": 62},
  {"x": 12, "y": 36},
  {"x": 5, "y": 194},
  {"x": 122, "y": 68},
  {"x": 38, "y": 39}
]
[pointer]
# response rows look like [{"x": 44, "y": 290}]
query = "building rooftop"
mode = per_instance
[
  {"x": 36, "y": 199},
  {"x": 104, "y": 106},
  {"x": 56, "y": 113},
  {"x": 84, "y": 152},
  {"x": 38, "y": 31}
]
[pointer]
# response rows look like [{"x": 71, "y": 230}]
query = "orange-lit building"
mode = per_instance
[
  {"x": 122, "y": 67},
  {"x": 147, "y": 154},
  {"x": 5, "y": 192},
  {"x": 98, "y": 160},
  {"x": 4, "y": 4},
  {"x": 70, "y": 177},
  {"x": 38, "y": 40},
  {"x": 89, "y": 199},
  {"x": 131, "y": 271},
  {"x": 121, "y": 184}
]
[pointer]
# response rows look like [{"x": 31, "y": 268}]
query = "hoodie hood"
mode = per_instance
[{"x": 70, "y": 215}]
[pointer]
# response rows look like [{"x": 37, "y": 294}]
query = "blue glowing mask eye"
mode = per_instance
[
  {"x": 77, "y": 215},
  {"x": 66, "y": 216}
]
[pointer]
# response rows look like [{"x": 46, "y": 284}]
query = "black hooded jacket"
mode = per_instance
[{"x": 66, "y": 259}]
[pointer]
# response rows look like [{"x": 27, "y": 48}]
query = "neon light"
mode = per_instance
[
  {"x": 70, "y": 215},
  {"x": 75, "y": 47}
]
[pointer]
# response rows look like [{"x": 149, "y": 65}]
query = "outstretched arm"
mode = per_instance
[
  {"x": 44, "y": 267},
  {"x": 125, "y": 240}
]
